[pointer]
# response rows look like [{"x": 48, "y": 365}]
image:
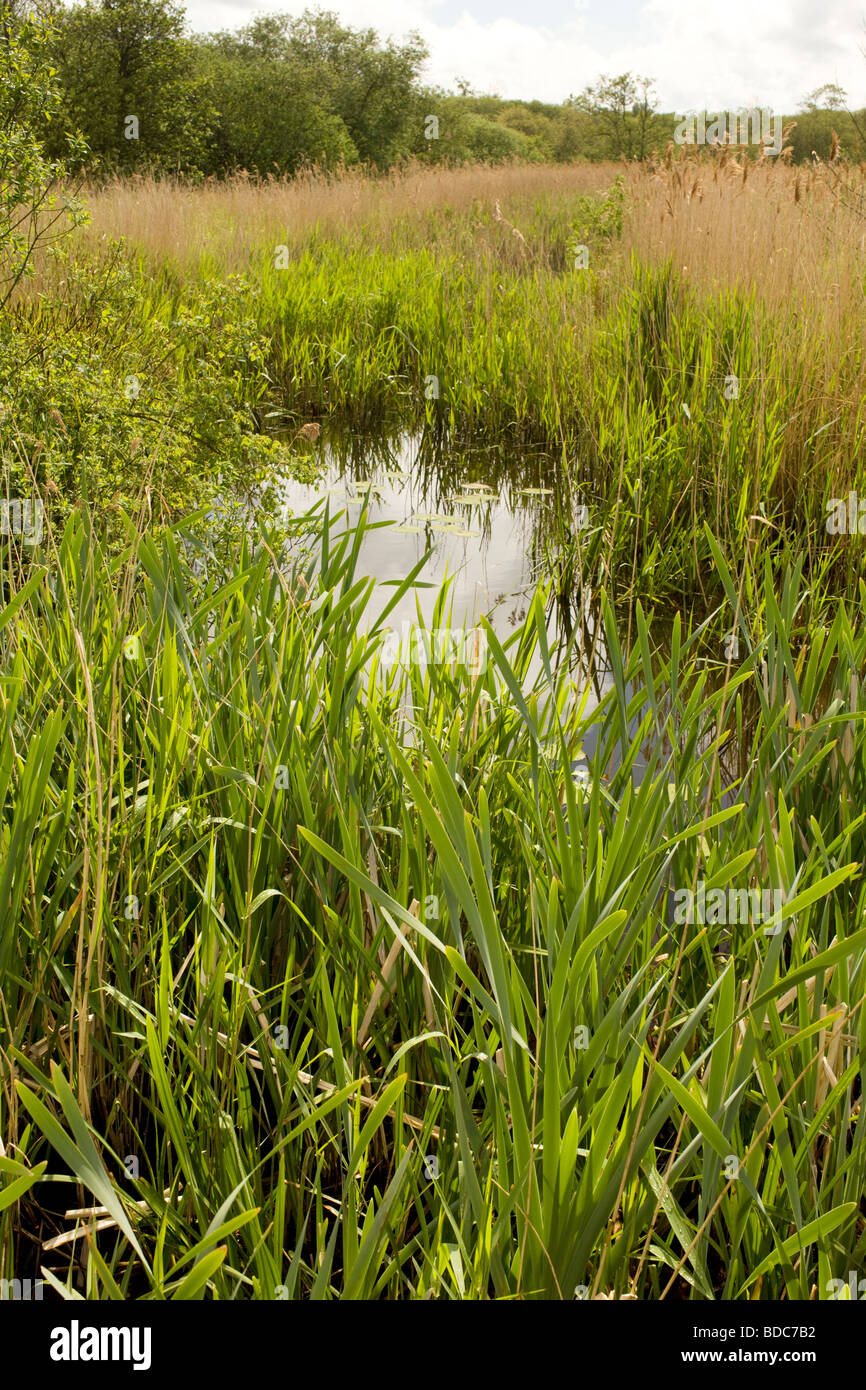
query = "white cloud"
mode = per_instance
[
  {"x": 714, "y": 53},
  {"x": 739, "y": 51},
  {"x": 513, "y": 59}
]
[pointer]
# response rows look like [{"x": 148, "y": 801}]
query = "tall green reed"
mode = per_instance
[{"x": 285, "y": 925}]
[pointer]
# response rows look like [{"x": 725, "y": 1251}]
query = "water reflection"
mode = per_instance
[
  {"x": 497, "y": 524},
  {"x": 489, "y": 518}
]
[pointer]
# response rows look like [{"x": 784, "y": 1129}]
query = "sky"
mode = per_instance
[{"x": 702, "y": 54}]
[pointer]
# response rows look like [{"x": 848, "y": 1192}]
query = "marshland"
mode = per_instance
[{"x": 329, "y": 972}]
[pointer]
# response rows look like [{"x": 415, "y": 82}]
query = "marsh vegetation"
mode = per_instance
[{"x": 329, "y": 976}]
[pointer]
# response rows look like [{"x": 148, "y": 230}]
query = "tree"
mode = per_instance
[
  {"x": 572, "y": 136},
  {"x": 309, "y": 89},
  {"x": 624, "y": 107},
  {"x": 131, "y": 84},
  {"x": 830, "y": 97},
  {"x": 372, "y": 86},
  {"x": 34, "y": 208},
  {"x": 273, "y": 115}
]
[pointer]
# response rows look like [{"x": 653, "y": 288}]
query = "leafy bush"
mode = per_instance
[
  {"x": 34, "y": 210},
  {"x": 114, "y": 397},
  {"x": 105, "y": 391},
  {"x": 600, "y": 219}
]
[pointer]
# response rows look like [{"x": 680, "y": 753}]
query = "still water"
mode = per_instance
[{"x": 487, "y": 517}]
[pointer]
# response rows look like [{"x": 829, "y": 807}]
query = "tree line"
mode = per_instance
[{"x": 283, "y": 93}]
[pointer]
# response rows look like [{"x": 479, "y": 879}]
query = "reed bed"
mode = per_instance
[
  {"x": 227, "y": 220},
  {"x": 324, "y": 980},
  {"x": 324, "y": 976},
  {"x": 710, "y": 354}
]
